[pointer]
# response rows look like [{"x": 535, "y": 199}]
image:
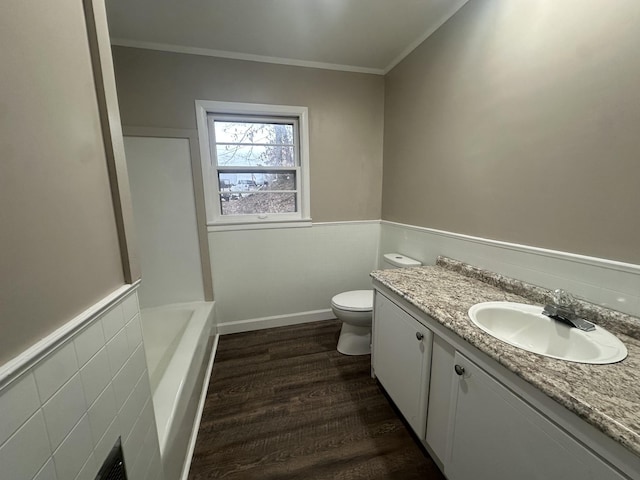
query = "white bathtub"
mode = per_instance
[{"x": 177, "y": 345}]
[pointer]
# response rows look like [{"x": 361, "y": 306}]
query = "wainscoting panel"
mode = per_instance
[
  {"x": 281, "y": 276},
  {"x": 608, "y": 283}
]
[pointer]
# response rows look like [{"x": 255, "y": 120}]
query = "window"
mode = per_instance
[{"x": 254, "y": 164}]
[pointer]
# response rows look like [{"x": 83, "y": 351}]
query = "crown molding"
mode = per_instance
[{"x": 207, "y": 52}]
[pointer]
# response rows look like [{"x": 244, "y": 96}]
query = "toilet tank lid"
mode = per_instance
[
  {"x": 400, "y": 260},
  {"x": 355, "y": 300}
]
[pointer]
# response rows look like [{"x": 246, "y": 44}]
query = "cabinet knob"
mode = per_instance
[
  {"x": 419, "y": 335},
  {"x": 459, "y": 369}
]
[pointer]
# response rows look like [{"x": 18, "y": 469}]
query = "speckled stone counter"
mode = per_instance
[{"x": 606, "y": 396}]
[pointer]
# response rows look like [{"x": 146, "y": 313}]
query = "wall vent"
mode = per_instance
[{"x": 113, "y": 467}]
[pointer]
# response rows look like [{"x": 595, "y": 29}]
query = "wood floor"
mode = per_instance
[{"x": 284, "y": 404}]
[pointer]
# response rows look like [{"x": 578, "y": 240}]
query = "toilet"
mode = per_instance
[{"x": 355, "y": 309}]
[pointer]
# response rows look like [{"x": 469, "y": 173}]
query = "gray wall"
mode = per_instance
[
  {"x": 519, "y": 121},
  {"x": 158, "y": 89},
  {"x": 59, "y": 250}
]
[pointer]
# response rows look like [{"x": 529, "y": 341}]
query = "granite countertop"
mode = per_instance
[{"x": 606, "y": 396}]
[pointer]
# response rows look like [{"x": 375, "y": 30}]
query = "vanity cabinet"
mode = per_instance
[
  {"x": 401, "y": 360},
  {"x": 473, "y": 419},
  {"x": 493, "y": 431}
]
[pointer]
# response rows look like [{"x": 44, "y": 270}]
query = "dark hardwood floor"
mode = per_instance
[{"x": 284, "y": 404}]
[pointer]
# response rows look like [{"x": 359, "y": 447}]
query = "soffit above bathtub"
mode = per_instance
[{"x": 369, "y": 36}]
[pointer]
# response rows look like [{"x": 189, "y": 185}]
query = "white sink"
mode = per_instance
[{"x": 524, "y": 326}]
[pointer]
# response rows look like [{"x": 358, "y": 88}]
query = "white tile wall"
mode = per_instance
[
  {"x": 127, "y": 378},
  {"x": 132, "y": 445},
  {"x": 63, "y": 410},
  {"x": 134, "y": 333},
  {"x": 96, "y": 374},
  {"x": 102, "y": 412},
  {"x": 112, "y": 322},
  {"x": 89, "y": 342},
  {"x": 88, "y": 471},
  {"x": 61, "y": 417},
  {"x": 598, "y": 281},
  {"x": 130, "y": 307},
  {"x": 118, "y": 350},
  {"x": 72, "y": 454},
  {"x": 155, "y": 468},
  {"x": 22, "y": 401},
  {"x": 141, "y": 464},
  {"x": 135, "y": 402},
  {"x": 103, "y": 446},
  {"x": 22, "y": 455},
  {"x": 48, "y": 472},
  {"x": 52, "y": 374}
]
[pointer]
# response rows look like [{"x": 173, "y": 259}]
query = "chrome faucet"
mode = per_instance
[{"x": 562, "y": 311}]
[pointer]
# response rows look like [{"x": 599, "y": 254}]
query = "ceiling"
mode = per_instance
[{"x": 368, "y": 36}]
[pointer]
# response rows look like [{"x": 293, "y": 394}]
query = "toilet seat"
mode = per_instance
[{"x": 354, "y": 301}]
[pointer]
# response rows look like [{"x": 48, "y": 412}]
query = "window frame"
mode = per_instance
[{"x": 215, "y": 219}]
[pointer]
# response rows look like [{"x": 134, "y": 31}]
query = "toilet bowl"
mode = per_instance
[{"x": 355, "y": 310}]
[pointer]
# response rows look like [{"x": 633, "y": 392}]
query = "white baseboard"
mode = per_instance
[
  {"x": 196, "y": 422},
  {"x": 275, "y": 321}
]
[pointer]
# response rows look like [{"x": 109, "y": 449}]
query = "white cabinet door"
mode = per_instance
[
  {"x": 401, "y": 360},
  {"x": 442, "y": 359},
  {"x": 496, "y": 435}
]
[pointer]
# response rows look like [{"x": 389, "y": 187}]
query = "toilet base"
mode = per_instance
[{"x": 354, "y": 340}]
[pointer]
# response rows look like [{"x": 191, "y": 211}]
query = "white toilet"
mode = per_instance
[{"x": 355, "y": 310}]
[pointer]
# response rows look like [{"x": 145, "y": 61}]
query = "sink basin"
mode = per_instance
[{"x": 524, "y": 326}]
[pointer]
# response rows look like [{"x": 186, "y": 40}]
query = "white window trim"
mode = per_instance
[{"x": 215, "y": 221}]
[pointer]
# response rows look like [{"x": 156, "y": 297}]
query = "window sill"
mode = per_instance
[{"x": 231, "y": 226}]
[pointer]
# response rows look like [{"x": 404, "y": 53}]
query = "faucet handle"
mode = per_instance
[{"x": 562, "y": 298}]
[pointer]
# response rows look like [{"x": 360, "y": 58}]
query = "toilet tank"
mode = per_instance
[{"x": 396, "y": 260}]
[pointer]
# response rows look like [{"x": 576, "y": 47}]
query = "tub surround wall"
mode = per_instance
[
  {"x": 517, "y": 121},
  {"x": 165, "y": 213},
  {"x": 62, "y": 415}
]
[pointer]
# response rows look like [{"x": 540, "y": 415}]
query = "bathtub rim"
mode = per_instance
[
  {"x": 186, "y": 467},
  {"x": 168, "y": 394}
]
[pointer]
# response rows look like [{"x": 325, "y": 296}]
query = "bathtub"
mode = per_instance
[{"x": 177, "y": 342}]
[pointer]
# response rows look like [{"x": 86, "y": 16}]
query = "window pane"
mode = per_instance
[
  {"x": 249, "y": 132},
  {"x": 257, "y": 203},
  {"x": 254, "y": 182},
  {"x": 280, "y": 181},
  {"x": 255, "y": 155}
]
